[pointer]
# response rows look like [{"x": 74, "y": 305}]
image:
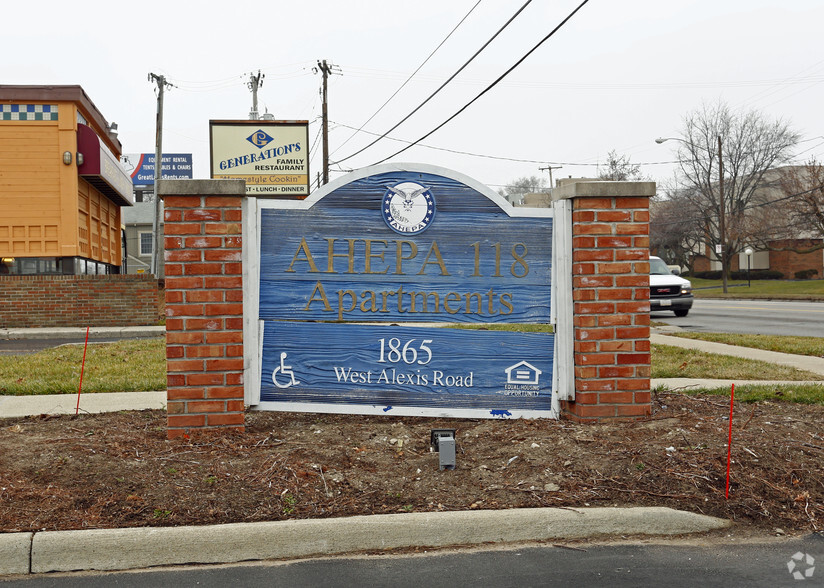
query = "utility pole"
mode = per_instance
[
  {"x": 722, "y": 217},
  {"x": 549, "y": 168},
  {"x": 326, "y": 69},
  {"x": 158, "y": 168},
  {"x": 255, "y": 82}
]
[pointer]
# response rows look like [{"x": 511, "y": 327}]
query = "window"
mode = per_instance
[{"x": 145, "y": 243}]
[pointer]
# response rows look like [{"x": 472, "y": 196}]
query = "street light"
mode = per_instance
[
  {"x": 748, "y": 251},
  {"x": 721, "y": 209}
]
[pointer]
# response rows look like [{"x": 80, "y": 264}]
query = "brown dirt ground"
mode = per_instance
[{"x": 119, "y": 470}]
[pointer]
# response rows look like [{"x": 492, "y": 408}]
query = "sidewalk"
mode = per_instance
[
  {"x": 21, "y": 406},
  {"x": 801, "y": 362}
]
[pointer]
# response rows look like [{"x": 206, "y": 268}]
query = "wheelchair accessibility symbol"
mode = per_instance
[{"x": 285, "y": 371}]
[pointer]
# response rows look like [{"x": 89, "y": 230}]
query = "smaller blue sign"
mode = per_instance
[
  {"x": 176, "y": 166},
  {"x": 392, "y": 366}
]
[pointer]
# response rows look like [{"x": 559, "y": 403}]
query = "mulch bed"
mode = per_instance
[{"x": 119, "y": 470}]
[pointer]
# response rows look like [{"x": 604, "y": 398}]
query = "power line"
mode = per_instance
[
  {"x": 442, "y": 86},
  {"x": 493, "y": 84},
  {"x": 500, "y": 158},
  {"x": 232, "y": 81},
  {"x": 412, "y": 75},
  {"x": 362, "y": 72}
]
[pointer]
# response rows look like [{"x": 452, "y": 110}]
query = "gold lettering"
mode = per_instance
[
  {"x": 451, "y": 297},
  {"x": 369, "y": 255},
  {"x": 384, "y": 296},
  {"x": 439, "y": 260},
  {"x": 490, "y": 298},
  {"x": 330, "y": 269},
  {"x": 307, "y": 257},
  {"x": 352, "y": 297},
  {"x": 368, "y": 301},
  {"x": 506, "y": 301},
  {"x": 399, "y": 257},
  {"x": 319, "y": 290},
  {"x": 469, "y": 298},
  {"x": 424, "y": 297},
  {"x": 519, "y": 260},
  {"x": 400, "y": 299}
]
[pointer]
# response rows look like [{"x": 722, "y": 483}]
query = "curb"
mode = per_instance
[{"x": 122, "y": 549}]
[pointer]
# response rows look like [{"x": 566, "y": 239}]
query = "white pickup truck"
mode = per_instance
[{"x": 667, "y": 291}]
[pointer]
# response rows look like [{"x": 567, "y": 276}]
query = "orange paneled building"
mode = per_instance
[{"x": 61, "y": 183}]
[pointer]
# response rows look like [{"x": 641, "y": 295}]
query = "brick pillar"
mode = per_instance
[
  {"x": 610, "y": 292},
  {"x": 204, "y": 304}
]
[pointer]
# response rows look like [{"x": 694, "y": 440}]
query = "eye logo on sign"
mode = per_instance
[
  {"x": 259, "y": 139},
  {"x": 408, "y": 208}
]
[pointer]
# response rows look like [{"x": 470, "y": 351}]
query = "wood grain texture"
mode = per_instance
[
  {"x": 474, "y": 263},
  {"x": 406, "y": 366}
]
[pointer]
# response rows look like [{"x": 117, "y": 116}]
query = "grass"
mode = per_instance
[
  {"x": 675, "y": 362},
  {"x": 812, "y": 346},
  {"x": 665, "y": 358},
  {"x": 521, "y": 328},
  {"x": 125, "y": 366},
  {"x": 769, "y": 289},
  {"x": 140, "y": 365},
  {"x": 798, "y": 393}
]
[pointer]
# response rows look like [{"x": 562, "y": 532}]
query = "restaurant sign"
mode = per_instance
[{"x": 271, "y": 156}]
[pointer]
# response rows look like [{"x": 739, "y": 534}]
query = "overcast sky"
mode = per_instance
[{"x": 615, "y": 77}]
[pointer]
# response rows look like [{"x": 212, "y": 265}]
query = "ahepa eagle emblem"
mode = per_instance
[{"x": 408, "y": 208}]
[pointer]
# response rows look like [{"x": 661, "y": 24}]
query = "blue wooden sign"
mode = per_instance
[
  {"x": 358, "y": 286},
  {"x": 398, "y": 369}
]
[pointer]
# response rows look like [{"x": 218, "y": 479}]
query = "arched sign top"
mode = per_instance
[{"x": 450, "y": 190}]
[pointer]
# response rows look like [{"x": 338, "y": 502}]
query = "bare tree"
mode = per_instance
[
  {"x": 619, "y": 168},
  {"x": 731, "y": 151},
  {"x": 515, "y": 190},
  {"x": 676, "y": 228},
  {"x": 804, "y": 187}
]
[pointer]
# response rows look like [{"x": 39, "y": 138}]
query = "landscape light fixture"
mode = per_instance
[{"x": 443, "y": 441}]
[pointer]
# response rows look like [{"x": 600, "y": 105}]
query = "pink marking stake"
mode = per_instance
[
  {"x": 82, "y": 367},
  {"x": 729, "y": 441}
]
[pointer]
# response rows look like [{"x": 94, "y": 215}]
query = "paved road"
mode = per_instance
[
  {"x": 765, "y": 317},
  {"x": 723, "y": 563},
  {"x": 26, "y": 346}
]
